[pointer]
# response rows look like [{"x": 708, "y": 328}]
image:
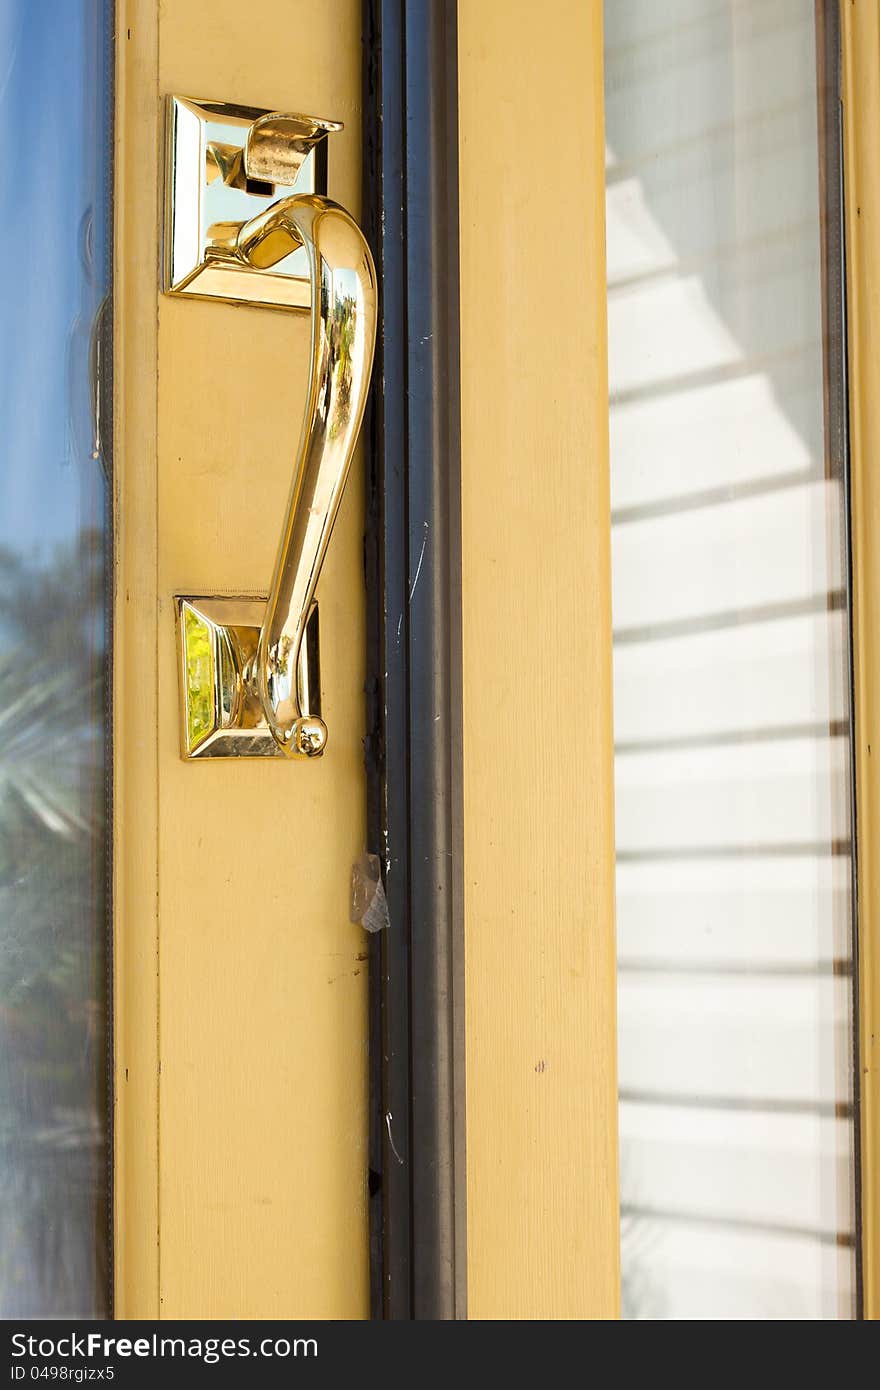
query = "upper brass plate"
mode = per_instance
[{"x": 209, "y": 193}]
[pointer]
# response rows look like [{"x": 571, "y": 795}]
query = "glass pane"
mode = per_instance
[
  {"x": 54, "y": 209},
  {"x": 731, "y": 672}
]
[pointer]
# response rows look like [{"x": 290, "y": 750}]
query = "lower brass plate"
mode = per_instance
[{"x": 217, "y": 644}]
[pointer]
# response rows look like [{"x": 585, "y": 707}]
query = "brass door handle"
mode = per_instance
[
  {"x": 343, "y": 286},
  {"x": 249, "y": 667}
]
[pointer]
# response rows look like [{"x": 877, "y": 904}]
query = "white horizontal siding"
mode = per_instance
[
  {"x": 749, "y": 206},
  {"x": 710, "y": 1273},
  {"x": 676, "y": 72},
  {"x": 753, "y": 554},
  {"x": 755, "y": 679},
  {"x": 791, "y": 793},
  {"x": 735, "y": 314},
  {"x": 748, "y": 913},
  {"x": 716, "y": 1039},
  {"x": 777, "y": 1170},
  {"x": 735, "y": 433},
  {"x": 730, "y": 672}
]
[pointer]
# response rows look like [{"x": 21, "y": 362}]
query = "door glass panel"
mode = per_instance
[
  {"x": 54, "y": 496},
  {"x": 731, "y": 660}
]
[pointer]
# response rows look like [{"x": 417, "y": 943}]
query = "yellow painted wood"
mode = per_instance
[
  {"x": 262, "y": 1020},
  {"x": 135, "y": 779},
  {"x": 542, "y": 1190},
  {"x": 861, "y": 113}
]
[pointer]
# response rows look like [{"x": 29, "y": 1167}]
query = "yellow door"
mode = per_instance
[
  {"x": 595, "y": 663},
  {"x": 240, "y": 984}
]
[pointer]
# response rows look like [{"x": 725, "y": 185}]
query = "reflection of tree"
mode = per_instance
[
  {"x": 53, "y": 1157},
  {"x": 341, "y": 334},
  {"x": 642, "y": 1294}
]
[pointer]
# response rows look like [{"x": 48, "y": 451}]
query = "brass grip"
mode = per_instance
[
  {"x": 243, "y": 212},
  {"x": 343, "y": 287}
]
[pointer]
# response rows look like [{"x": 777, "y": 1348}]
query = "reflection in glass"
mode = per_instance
[
  {"x": 731, "y": 687},
  {"x": 54, "y": 210}
]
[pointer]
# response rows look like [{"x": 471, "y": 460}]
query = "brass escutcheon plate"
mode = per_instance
[
  {"x": 208, "y": 191},
  {"x": 217, "y": 645}
]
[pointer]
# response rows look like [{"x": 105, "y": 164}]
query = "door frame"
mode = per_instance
[
  {"x": 135, "y": 629},
  {"x": 467, "y": 980},
  {"x": 414, "y": 701},
  {"x": 860, "y": 42},
  {"x": 540, "y": 963}
]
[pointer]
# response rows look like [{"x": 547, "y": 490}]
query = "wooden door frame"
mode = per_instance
[
  {"x": 860, "y": 37},
  {"x": 135, "y": 771},
  {"x": 540, "y": 964}
]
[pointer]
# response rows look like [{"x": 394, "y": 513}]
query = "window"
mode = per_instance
[{"x": 731, "y": 660}]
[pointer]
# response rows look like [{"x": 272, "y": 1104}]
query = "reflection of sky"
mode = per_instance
[
  {"x": 54, "y": 165},
  {"x": 54, "y": 212}
]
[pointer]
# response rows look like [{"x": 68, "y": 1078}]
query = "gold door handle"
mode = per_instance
[
  {"x": 249, "y": 668},
  {"x": 343, "y": 287}
]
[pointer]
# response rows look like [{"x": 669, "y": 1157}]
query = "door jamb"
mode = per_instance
[{"x": 413, "y": 745}]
